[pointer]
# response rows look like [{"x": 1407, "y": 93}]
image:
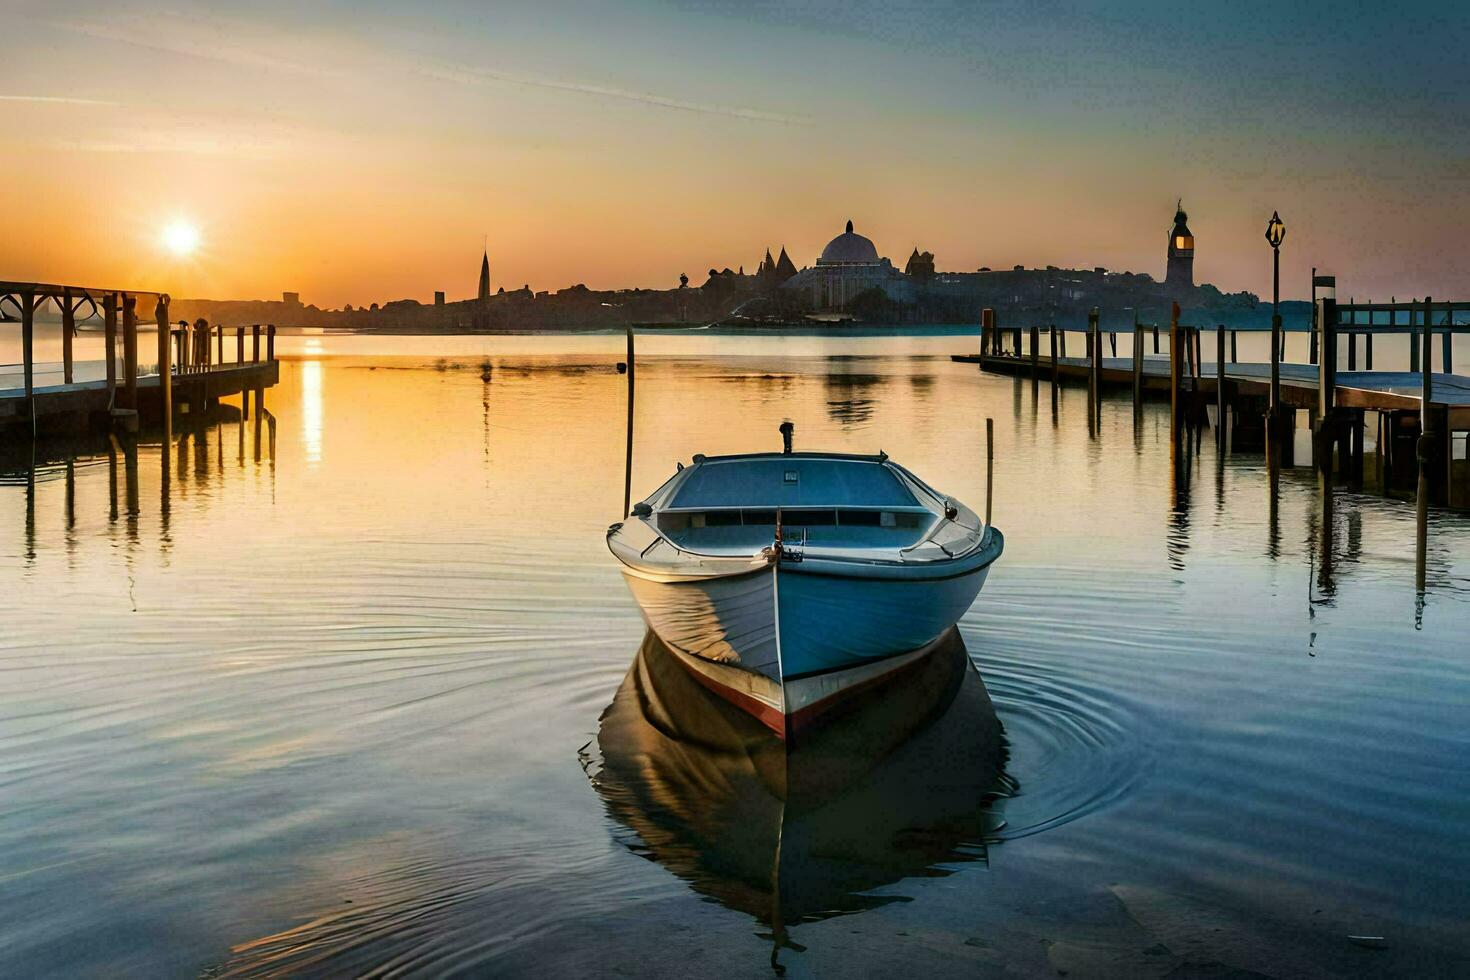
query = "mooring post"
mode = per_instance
[
  {"x": 1094, "y": 330},
  {"x": 219, "y": 333},
  {"x": 255, "y": 344},
  {"x": 1174, "y": 379},
  {"x": 109, "y": 334},
  {"x": 989, "y": 465},
  {"x": 270, "y": 342},
  {"x": 1220, "y": 386},
  {"x": 1234, "y": 358},
  {"x": 1425, "y": 451},
  {"x": 1035, "y": 352},
  {"x": 1137, "y": 364},
  {"x": 1156, "y": 338},
  {"x": 28, "y": 342},
  {"x": 165, "y": 373},
  {"x": 68, "y": 327},
  {"x": 1052, "y": 330},
  {"x": 628, "y": 454},
  {"x": 1446, "y": 358},
  {"x": 130, "y": 351},
  {"x": 1413, "y": 344},
  {"x": 239, "y": 345}
]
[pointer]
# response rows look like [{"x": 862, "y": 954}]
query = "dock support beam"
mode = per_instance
[
  {"x": 68, "y": 327},
  {"x": 130, "y": 351},
  {"x": 1220, "y": 387},
  {"x": 165, "y": 371},
  {"x": 28, "y": 344},
  {"x": 109, "y": 322},
  {"x": 1094, "y": 374},
  {"x": 1425, "y": 451},
  {"x": 1137, "y": 365}
]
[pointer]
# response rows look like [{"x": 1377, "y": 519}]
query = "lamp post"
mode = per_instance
[{"x": 1275, "y": 232}]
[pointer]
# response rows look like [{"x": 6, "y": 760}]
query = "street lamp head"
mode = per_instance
[{"x": 1275, "y": 231}]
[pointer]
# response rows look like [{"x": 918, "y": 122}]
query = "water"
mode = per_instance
[{"x": 335, "y": 707}]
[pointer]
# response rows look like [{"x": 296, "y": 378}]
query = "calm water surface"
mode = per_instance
[{"x": 336, "y": 704}]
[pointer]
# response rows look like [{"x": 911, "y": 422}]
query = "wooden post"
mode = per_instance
[
  {"x": 989, "y": 465},
  {"x": 1064, "y": 342},
  {"x": 1352, "y": 350},
  {"x": 270, "y": 342},
  {"x": 1425, "y": 449},
  {"x": 1413, "y": 344},
  {"x": 1234, "y": 357},
  {"x": 1220, "y": 386},
  {"x": 239, "y": 345},
  {"x": 68, "y": 327},
  {"x": 1327, "y": 366},
  {"x": 1137, "y": 365},
  {"x": 1174, "y": 381},
  {"x": 28, "y": 343},
  {"x": 255, "y": 343},
  {"x": 1446, "y": 359},
  {"x": 109, "y": 333},
  {"x": 1368, "y": 348},
  {"x": 130, "y": 351},
  {"x": 219, "y": 331},
  {"x": 165, "y": 373},
  {"x": 628, "y": 456},
  {"x": 1035, "y": 353},
  {"x": 1094, "y": 330},
  {"x": 987, "y": 333},
  {"x": 1156, "y": 338},
  {"x": 1054, "y": 365}
]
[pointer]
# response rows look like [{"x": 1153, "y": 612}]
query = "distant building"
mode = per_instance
[
  {"x": 848, "y": 267},
  {"x": 1179, "y": 273},
  {"x": 291, "y": 299},
  {"x": 920, "y": 265},
  {"x": 438, "y": 297},
  {"x": 484, "y": 293}
]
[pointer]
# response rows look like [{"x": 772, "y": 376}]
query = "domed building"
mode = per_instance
[{"x": 849, "y": 265}]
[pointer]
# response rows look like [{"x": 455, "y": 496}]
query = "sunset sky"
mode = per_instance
[{"x": 362, "y": 152}]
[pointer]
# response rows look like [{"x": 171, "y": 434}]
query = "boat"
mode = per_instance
[{"x": 785, "y": 582}]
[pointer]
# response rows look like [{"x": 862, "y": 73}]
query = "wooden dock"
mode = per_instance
[
  {"x": 195, "y": 366},
  {"x": 1422, "y": 415}
]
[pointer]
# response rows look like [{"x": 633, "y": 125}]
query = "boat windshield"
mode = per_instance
[{"x": 792, "y": 481}]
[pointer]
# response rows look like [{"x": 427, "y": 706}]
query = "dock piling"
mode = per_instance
[
  {"x": 165, "y": 373},
  {"x": 255, "y": 343},
  {"x": 1052, "y": 330},
  {"x": 1137, "y": 365},
  {"x": 68, "y": 328},
  {"x": 1424, "y": 452},
  {"x": 109, "y": 333},
  {"x": 987, "y": 333},
  {"x": 28, "y": 342},
  {"x": 270, "y": 342},
  {"x": 1035, "y": 353},
  {"x": 1220, "y": 387},
  {"x": 989, "y": 466},
  {"x": 130, "y": 351}
]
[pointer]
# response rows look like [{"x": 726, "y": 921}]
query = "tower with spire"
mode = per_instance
[
  {"x": 485, "y": 276},
  {"x": 1179, "y": 273}
]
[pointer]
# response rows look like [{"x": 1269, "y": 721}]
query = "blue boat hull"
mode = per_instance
[{"x": 787, "y": 641}]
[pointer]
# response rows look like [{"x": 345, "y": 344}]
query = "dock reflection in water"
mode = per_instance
[{"x": 908, "y": 779}]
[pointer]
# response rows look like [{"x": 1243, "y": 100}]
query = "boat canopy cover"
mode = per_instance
[{"x": 792, "y": 481}]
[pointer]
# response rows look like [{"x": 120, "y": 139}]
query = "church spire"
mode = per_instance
[{"x": 485, "y": 276}]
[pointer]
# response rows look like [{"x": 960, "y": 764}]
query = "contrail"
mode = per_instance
[
  {"x": 56, "y": 100},
  {"x": 464, "y": 73}
]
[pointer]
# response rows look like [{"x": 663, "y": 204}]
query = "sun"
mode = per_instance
[{"x": 181, "y": 238}]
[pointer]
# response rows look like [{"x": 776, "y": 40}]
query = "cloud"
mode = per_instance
[
  {"x": 465, "y": 74},
  {"x": 57, "y": 100}
]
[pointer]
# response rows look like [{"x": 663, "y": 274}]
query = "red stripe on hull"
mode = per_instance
[
  {"x": 804, "y": 718},
  {"x": 757, "y": 709}
]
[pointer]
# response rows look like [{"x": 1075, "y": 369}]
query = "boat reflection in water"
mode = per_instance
[{"x": 905, "y": 780}]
